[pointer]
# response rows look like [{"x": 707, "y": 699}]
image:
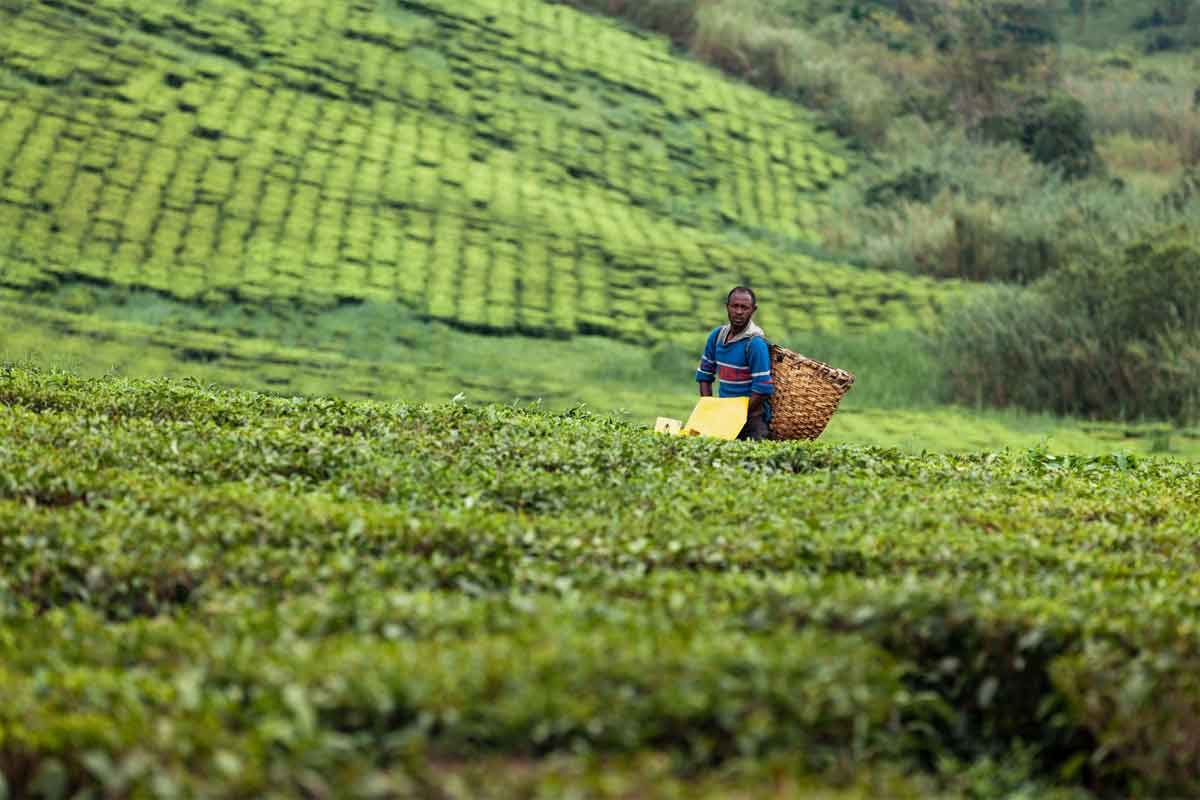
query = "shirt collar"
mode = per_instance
[{"x": 751, "y": 330}]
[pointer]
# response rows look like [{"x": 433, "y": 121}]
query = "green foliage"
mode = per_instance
[
  {"x": 988, "y": 47},
  {"x": 435, "y": 157},
  {"x": 952, "y": 206},
  {"x": 916, "y": 184},
  {"x": 384, "y": 352},
  {"x": 1185, "y": 192},
  {"x": 220, "y": 593},
  {"x": 985, "y": 249},
  {"x": 1054, "y": 129},
  {"x": 1113, "y": 338},
  {"x": 1132, "y": 719},
  {"x": 1146, "y": 293}
]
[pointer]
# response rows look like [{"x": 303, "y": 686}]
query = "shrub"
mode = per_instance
[
  {"x": 1162, "y": 42},
  {"x": 916, "y": 184},
  {"x": 975, "y": 240},
  {"x": 675, "y": 18},
  {"x": 1057, "y": 133},
  {"x": 1151, "y": 290},
  {"x": 984, "y": 248},
  {"x": 1189, "y": 139},
  {"x": 743, "y": 43},
  {"x": 1121, "y": 58},
  {"x": 987, "y": 47},
  {"x": 1185, "y": 191},
  {"x": 950, "y": 206},
  {"x": 1053, "y": 128},
  {"x": 1117, "y": 338},
  {"x": 995, "y": 344}
]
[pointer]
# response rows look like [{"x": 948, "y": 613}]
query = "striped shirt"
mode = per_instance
[{"x": 742, "y": 366}]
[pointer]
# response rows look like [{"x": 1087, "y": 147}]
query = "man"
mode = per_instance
[{"x": 738, "y": 353}]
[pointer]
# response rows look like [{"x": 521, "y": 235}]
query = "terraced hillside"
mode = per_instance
[{"x": 506, "y": 165}]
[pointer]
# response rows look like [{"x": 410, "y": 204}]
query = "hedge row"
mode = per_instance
[{"x": 219, "y": 592}]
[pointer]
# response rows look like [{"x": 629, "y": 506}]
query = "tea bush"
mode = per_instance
[{"x": 219, "y": 593}]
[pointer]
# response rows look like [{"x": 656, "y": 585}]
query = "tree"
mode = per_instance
[{"x": 990, "y": 47}]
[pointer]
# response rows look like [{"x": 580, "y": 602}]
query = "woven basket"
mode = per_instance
[{"x": 807, "y": 393}]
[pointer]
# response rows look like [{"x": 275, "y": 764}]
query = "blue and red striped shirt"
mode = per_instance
[{"x": 743, "y": 365}]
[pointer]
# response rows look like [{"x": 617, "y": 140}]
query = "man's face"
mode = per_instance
[{"x": 740, "y": 309}]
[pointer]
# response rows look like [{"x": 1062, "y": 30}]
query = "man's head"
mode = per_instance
[{"x": 740, "y": 305}]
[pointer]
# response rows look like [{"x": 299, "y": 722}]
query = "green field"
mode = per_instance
[
  {"x": 211, "y": 593},
  {"x": 385, "y": 351},
  {"x": 504, "y": 166},
  {"x": 465, "y": 251},
  {"x": 389, "y": 200}
]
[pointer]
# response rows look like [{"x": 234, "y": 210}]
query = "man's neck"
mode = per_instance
[{"x": 734, "y": 330}]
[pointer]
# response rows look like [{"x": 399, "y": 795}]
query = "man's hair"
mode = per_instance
[{"x": 747, "y": 290}]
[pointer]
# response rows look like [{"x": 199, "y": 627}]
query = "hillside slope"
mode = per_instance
[
  {"x": 506, "y": 166},
  {"x": 227, "y": 594},
  {"x": 298, "y": 195}
]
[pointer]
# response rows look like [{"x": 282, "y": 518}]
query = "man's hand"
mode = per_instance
[
  {"x": 706, "y": 388},
  {"x": 756, "y": 402}
]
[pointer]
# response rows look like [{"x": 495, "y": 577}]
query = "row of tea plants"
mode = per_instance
[
  {"x": 212, "y": 592},
  {"x": 501, "y": 166}
]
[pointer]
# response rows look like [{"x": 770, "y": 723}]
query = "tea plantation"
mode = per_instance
[
  {"x": 519, "y": 171},
  {"x": 505, "y": 165},
  {"x": 209, "y": 593},
  {"x": 379, "y": 350}
]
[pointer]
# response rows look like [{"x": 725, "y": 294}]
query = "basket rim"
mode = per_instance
[{"x": 840, "y": 377}]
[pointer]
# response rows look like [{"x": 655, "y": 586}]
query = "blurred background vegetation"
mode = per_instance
[
  {"x": 1049, "y": 147},
  {"x": 996, "y": 218}
]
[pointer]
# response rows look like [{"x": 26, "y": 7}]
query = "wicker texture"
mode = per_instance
[{"x": 807, "y": 393}]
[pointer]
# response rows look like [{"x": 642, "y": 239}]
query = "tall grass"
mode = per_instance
[
  {"x": 737, "y": 39},
  {"x": 1117, "y": 336},
  {"x": 760, "y": 42},
  {"x": 1144, "y": 110},
  {"x": 674, "y": 18},
  {"x": 1126, "y": 153},
  {"x": 991, "y": 239},
  {"x": 993, "y": 213}
]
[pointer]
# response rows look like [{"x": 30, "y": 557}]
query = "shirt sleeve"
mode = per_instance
[
  {"x": 707, "y": 371},
  {"x": 760, "y": 367}
]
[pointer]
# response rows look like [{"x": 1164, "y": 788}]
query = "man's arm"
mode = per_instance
[
  {"x": 760, "y": 371},
  {"x": 707, "y": 371}
]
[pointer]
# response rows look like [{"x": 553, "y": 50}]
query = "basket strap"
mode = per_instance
[{"x": 751, "y": 339}]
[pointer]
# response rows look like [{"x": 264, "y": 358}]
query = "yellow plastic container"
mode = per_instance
[{"x": 720, "y": 417}]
